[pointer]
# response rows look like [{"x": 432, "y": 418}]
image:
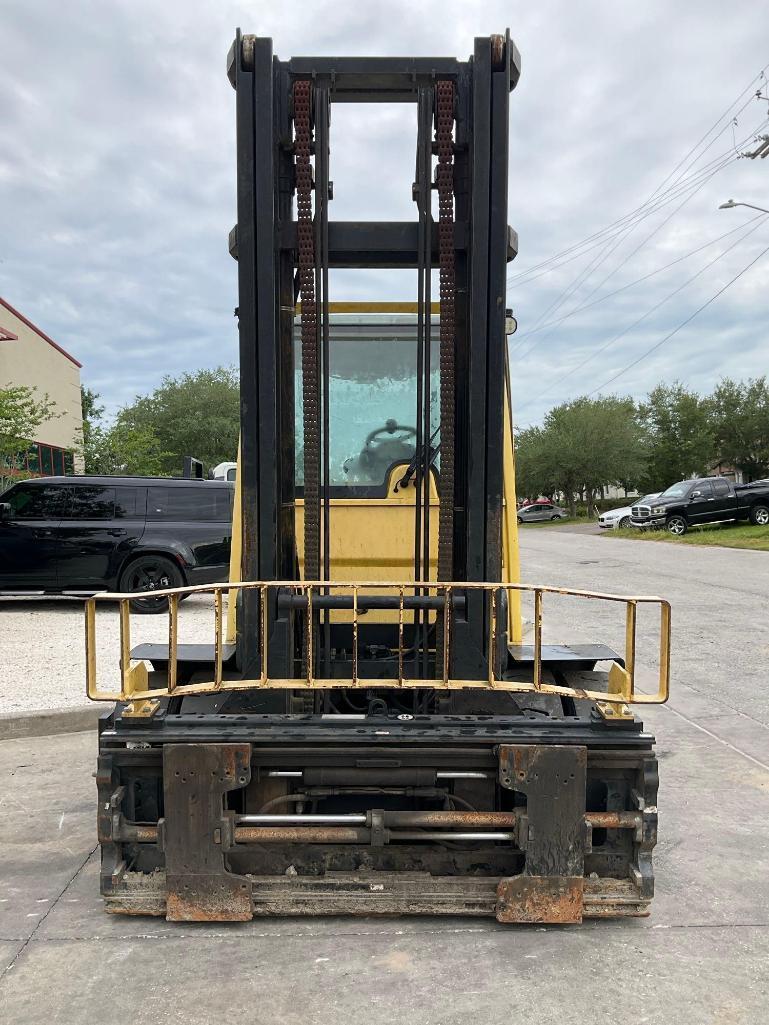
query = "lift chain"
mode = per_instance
[
  {"x": 309, "y": 327},
  {"x": 444, "y": 174}
]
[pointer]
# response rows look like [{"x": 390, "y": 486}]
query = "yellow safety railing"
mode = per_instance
[{"x": 134, "y": 685}]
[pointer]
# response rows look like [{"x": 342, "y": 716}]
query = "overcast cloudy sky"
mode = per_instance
[{"x": 117, "y": 179}]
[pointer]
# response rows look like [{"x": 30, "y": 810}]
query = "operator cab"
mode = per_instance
[{"x": 373, "y": 374}]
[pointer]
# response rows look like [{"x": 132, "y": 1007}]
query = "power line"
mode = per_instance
[
  {"x": 602, "y": 257},
  {"x": 727, "y": 113},
  {"x": 644, "y": 277},
  {"x": 684, "y": 159},
  {"x": 536, "y": 341},
  {"x": 628, "y": 257},
  {"x": 655, "y": 307},
  {"x": 640, "y": 212},
  {"x": 683, "y": 324}
]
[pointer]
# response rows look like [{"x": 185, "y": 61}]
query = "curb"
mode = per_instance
[{"x": 49, "y": 722}]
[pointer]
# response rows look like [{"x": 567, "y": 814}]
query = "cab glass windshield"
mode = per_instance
[
  {"x": 677, "y": 490},
  {"x": 372, "y": 400}
]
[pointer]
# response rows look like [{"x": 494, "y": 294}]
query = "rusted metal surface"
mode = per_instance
[
  {"x": 553, "y": 778},
  {"x": 458, "y": 819},
  {"x": 614, "y": 819},
  {"x": 540, "y": 899},
  {"x": 133, "y": 833},
  {"x": 130, "y": 832},
  {"x": 377, "y": 893},
  {"x": 197, "y": 832},
  {"x": 497, "y": 51},
  {"x": 552, "y": 832},
  {"x": 301, "y": 834}
]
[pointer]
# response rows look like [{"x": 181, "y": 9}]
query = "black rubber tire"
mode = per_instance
[
  {"x": 157, "y": 573},
  {"x": 677, "y": 525},
  {"x": 759, "y": 515},
  {"x": 520, "y": 521},
  {"x": 624, "y": 523},
  {"x": 554, "y": 518}
]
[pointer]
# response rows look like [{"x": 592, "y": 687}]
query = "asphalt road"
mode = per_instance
[{"x": 700, "y": 958}]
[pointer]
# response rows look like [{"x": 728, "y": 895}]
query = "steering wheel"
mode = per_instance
[
  {"x": 390, "y": 428},
  {"x": 386, "y": 444}
]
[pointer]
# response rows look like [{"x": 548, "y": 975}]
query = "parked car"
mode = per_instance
[
  {"x": 620, "y": 518},
  {"x": 80, "y": 535},
  {"x": 539, "y": 511},
  {"x": 703, "y": 500}
]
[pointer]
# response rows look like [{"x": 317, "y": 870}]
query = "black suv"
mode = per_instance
[{"x": 78, "y": 535}]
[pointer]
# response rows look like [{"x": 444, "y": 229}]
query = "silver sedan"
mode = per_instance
[{"x": 541, "y": 511}]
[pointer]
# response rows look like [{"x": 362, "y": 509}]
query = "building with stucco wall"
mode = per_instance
[{"x": 28, "y": 356}]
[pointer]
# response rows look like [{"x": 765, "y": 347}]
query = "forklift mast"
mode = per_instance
[
  {"x": 284, "y": 150},
  {"x": 368, "y": 732}
]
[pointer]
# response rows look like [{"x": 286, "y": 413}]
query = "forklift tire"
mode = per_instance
[
  {"x": 148, "y": 573},
  {"x": 677, "y": 525},
  {"x": 759, "y": 515}
]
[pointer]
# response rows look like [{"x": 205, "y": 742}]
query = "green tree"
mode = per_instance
[
  {"x": 94, "y": 433},
  {"x": 134, "y": 451},
  {"x": 582, "y": 446},
  {"x": 532, "y": 475},
  {"x": 21, "y": 414},
  {"x": 739, "y": 414},
  {"x": 679, "y": 435},
  {"x": 197, "y": 414}
]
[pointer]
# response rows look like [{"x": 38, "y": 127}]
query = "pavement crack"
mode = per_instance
[
  {"x": 715, "y": 736},
  {"x": 52, "y": 905}
]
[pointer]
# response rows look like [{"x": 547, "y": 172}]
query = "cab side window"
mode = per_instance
[
  {"x": 721, "y": 488},
  {"x": 44, "y": 502}
]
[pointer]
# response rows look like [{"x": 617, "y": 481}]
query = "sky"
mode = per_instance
[{"x": 117, "y": 180}]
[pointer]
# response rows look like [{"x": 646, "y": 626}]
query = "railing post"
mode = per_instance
[
  {"x": 173, "y": 639},
  {"x": 133, "y": 679},
  {"x": 354, "y": 635},
  {"x": 90, "y": 647},
  {"x": 492, "y": 632},
  {"x": 263, "y": 677},
  {"x": 400, "y": 636},
  {"x": 537, "y": 639},
  {"x": 446, "y": 634},
  {"x": 631, "y": 610},
  {"x": 218, "y": 638}
]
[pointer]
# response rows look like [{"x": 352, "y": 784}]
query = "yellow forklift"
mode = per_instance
[{"x": 370, "y": 731}]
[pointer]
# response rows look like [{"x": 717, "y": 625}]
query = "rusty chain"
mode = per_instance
[
  {"x": 309, "y": 327},
  {"x": 444, "y": 174}
]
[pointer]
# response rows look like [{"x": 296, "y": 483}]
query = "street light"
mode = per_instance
[{"x": 730, "y": 204}]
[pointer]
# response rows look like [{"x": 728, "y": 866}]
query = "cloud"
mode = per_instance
[{"x": 117, "y": 175}]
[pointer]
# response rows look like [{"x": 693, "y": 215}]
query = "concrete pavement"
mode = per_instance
[{"x": 700, "y": 958}]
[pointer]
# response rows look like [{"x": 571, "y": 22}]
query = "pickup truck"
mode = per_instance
[{"x": 704, "y": 500}]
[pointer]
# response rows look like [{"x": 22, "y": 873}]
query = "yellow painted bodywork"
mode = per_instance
[{"x": 373, "y": 538}]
